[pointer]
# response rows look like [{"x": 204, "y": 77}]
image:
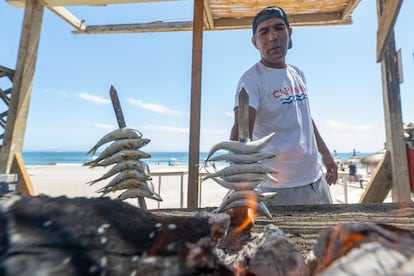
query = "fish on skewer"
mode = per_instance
[
  {"x": 249, "y": 177},
  {"x": 118, "y": 157},
  {"x": 128, "y": 184},
  {"x": 238, "y": 185},
  {"x": 235, "y": 169},
  {"x": 241, "y": 158},
  {"x": 123, "y": 175},
  {"x": 246, "y": 194},
  {"x": 119, "y": 133},
  {"x": 241, "y": 147},
  {"x": 122, "y": 144},
  {"x": 247, "y": 203},
  {"x": 138, "y": 165},
  {"x": 136, "y": 192}
]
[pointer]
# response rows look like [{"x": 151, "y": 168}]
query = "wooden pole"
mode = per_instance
[
  {"x": 22, "y": 84},
  {"x": 194, "y": 147},
  {"x": 393, "y": 115}
]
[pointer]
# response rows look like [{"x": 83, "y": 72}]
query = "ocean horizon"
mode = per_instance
[{"x": 157, "y": 158}]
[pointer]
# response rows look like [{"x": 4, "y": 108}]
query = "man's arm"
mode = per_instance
[
  {"x": 327, "y": 160},
  {"x": 234, "y": 134}
]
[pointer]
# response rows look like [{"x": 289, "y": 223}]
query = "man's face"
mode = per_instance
[{"x": 271, "y": 39}]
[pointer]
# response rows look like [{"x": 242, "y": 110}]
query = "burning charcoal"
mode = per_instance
[
  {"x": 364, "y": 249},
  {"x": 100, "y": 236},
  {"x": 271, "y": 253}
]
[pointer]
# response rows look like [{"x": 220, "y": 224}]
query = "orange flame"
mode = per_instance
[{"x": 250, "y": 216}]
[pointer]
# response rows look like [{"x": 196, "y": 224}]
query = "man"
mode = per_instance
[{"x": 278, "y": 102}]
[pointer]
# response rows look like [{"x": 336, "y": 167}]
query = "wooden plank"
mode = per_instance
[
  {"x": 349, "y": 8},
  {"x": 194, "y": 147},
  {"x": 380, "y": 183},
  {"x": 208, "y": 16},
  {"x": 67, "y": 16},
  {"x": 386, "y": 24},
  {"x": 24, "y": 185},
  {"x": 22, "y": 84},
  {"x": 158, "y": 26},
  {"x": 393, "y": 119}
]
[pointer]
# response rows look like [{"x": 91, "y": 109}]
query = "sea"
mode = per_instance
[{"x": 157, "y": 158}]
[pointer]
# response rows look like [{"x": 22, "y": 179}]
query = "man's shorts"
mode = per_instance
[{"x": 314, "y": 193}]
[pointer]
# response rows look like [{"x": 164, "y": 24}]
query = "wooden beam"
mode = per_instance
[
  {"x": 386, "y": 24},
  {"x": 24, "y": 185},
  {"x": 66, "y": 15},
  {"x": 218, "y": 24},
  {"x": 51, "y": 3},
  {"x": 393, "y": 118},
  {"x": 380, "y": 183},
  {"x": 194, "y": 147},
  {"x": 22, "y": 84},
  {"x": 350, "y": 7},
  {"x": 158, "y": 26},
  {"x": 208, "y": 16}
]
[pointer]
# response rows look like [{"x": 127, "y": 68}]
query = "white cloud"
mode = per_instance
[
  {"x": 94, "y": 99},
  {"x": 157, "y": 108},
  {"x": 229, "y": 114}
]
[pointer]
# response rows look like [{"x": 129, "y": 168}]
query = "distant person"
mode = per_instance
[
  {"x": 352, "y": 172},
  {"x": 278, "y": 102}
]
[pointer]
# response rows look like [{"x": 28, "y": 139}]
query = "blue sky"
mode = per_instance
[{"x": 70, "y": 105}]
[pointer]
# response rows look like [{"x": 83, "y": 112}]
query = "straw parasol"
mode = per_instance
[
  {"x": 353, "y": 159},
  {"x": 373, "y": 159}
]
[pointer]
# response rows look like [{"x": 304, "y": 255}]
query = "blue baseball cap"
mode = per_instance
[{"x": 269, "y": 13}]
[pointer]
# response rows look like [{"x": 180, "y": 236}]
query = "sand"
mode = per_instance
[{"x": 169, "y": 181}]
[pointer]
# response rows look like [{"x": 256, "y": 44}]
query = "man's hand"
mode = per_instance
[{"x": 331, "y": 169}]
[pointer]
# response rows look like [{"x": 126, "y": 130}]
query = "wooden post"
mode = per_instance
[
  {"x": 194, "y": 147},
  {"x": 392, "y": 109},
  {"x": 22, "y": 84}
]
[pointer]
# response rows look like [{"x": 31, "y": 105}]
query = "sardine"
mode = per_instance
[
  {"x": 137, "y": 175},
  {"x": 243, "y": 168},
  {"x": 242, "y": 185},
  {"x": 247, "y": 194},
  {"x": 243, "y": 158},
  {"x": 128, "y": 183},
  {"x": 120, "y": 133},
  {"x": 124, "y": 165},
  {"x": 137, "y": 192},
  {"x": 241, "y": 147},
  {"x": 250, "y": 204},
  {"x": 119, "y": 145},
  {"x": 243, "y": 177},
  {"x": 120, "y": 156}
]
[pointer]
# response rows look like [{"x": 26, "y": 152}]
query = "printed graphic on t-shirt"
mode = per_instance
[{"x": 289, "y": 95}]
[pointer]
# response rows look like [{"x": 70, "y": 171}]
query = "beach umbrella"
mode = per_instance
[
  {"x": 353, "y": 159},
  {"x": 373, "y": 159}
]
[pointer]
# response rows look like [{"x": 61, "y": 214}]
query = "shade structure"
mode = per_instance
[
  {"x": 373, "y": 159},
  {"x": 353, "y": 159}
]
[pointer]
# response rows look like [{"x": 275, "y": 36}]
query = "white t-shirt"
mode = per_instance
[{"x": 281, "y": 101}]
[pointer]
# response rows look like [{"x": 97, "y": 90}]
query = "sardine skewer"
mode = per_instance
[
  {"x": 122, "y": 144},
  {"x": 247, "y": 203},
  {"x": 138, "y": 176},
  {"x": 241, "y": 147},
  {"x": 242, "y": 168},
  {"x": 242, "y": 185},
  {"x": 136, "y": 192},
  {"x": 249, "y": 177},
  {"x": 128, "y": 184},
  {"x": 120, "y": 133},
  {"x": 122, "y": 166},
  {"x": 120, "y": 156},
  {"x": 241, "y": 158},
  {"x": 246, "y": 194}
]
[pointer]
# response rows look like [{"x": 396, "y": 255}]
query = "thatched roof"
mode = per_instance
[{"x": 218, "y": 14}]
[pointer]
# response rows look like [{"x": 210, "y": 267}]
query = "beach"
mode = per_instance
[{"x": 71, "y": 180}]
